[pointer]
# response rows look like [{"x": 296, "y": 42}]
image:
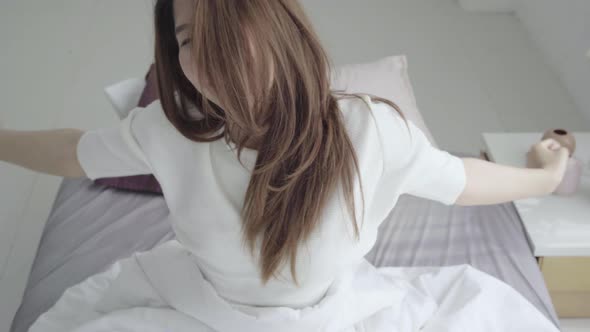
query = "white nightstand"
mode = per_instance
[{"x": 558, "y": 227}]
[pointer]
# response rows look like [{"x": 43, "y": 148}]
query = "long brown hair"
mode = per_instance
[{"x": 304, "y": 148}]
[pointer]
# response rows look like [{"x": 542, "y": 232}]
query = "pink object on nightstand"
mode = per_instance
[{"x": 572, "y": 177}]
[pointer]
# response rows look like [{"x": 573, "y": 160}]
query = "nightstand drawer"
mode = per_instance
[{"x": 568, "y": 281}]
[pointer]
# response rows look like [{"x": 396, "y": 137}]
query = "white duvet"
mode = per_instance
[{"x": 163, "y": 290}]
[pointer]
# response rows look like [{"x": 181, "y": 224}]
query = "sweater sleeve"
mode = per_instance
[
  {"x": 414, "y": 164},
  {"x": 113, "y": 151}
]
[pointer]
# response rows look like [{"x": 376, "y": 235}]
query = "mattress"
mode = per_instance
[{"x": 91, "y": 226}]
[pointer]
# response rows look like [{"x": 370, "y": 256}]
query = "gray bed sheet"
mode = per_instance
[{"x": 92, "y": 226}]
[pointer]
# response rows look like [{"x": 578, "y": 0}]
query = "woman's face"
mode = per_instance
[
  {"x": 184, "y": 11},
  {"x": 183, "y": 14}
]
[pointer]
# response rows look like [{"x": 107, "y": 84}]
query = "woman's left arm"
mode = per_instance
[
  {"x": 491, "y": 183},
  {"x": 47, "y": 151}
]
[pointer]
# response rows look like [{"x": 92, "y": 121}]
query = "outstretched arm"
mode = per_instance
[
  {"x": 47, "y": 151},
  {"x": 490, "y": 183}
]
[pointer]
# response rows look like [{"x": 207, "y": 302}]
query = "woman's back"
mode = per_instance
[{"x": 204, "y": 185}]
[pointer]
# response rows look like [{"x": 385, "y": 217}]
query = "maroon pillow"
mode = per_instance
[{"x": 144, "y": 182}]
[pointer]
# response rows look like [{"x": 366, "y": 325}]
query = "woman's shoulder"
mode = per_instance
[
  {"x": 152, "y": 117},
  {"x": 151, "y": 125},
  {"x": 367, "y": 108},
  {"x": 397, "y": 135},
  {"x": 362, "y": 101}
]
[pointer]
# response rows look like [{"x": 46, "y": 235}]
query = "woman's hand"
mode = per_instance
[{"x": 551, "y": 156}]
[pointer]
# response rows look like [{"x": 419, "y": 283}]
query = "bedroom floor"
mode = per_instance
[{"x": 472, "y": 73}]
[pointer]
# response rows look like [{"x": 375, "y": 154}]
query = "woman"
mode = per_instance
[{"x": 253, "y": 153}]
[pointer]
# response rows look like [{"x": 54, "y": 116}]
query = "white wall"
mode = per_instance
[
  {"x": 497, "y": 6},
  {"x": 472, "y": 72},
  {"x": 561, "y": 30}
]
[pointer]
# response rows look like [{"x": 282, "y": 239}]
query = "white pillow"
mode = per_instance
[
  {"x": 124, "y": 96},
  {"x": 387, "y": 78}
]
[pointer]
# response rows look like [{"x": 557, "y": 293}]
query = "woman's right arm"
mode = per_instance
[{"x": 490, "y": 183}]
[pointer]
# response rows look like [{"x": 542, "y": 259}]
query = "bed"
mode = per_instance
[{"x": 91, "y": 226}]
